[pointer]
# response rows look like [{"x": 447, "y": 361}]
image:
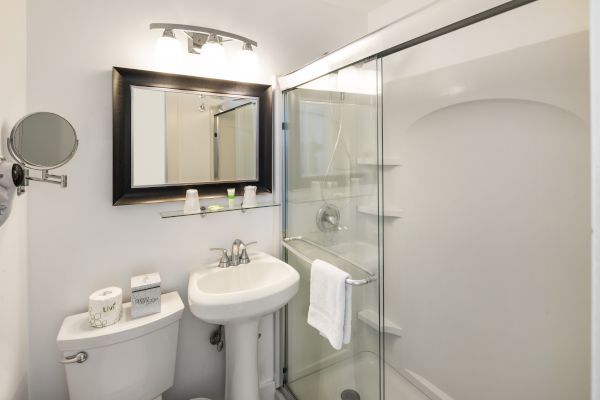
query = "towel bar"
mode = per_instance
[{"x": 353, "y": 282}]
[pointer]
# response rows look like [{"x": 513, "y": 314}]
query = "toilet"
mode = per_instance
[{"x": 133, "y": 359}]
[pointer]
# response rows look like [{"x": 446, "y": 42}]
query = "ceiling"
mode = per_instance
[{"x": 357, "y": 5}]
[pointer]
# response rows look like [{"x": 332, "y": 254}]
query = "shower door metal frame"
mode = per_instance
[{"x": 380, "y": 227}]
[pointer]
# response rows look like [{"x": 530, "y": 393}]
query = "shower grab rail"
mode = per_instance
[{"x": 353, "y": 282}]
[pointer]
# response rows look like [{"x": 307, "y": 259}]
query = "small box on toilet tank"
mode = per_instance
[{"x": 145, "y": 295}]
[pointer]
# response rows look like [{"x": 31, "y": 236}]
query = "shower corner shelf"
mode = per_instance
[
  {"x": 387, "y": 162},
  {"x": 180, "y": 213},
  {"x": 371, "y": 319},
  {"x": 387, "y": 211}
]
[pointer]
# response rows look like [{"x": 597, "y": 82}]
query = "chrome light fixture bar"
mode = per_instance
[{"x": 198, "y": 36}]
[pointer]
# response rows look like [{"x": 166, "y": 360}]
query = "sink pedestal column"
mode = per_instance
[{"x": 241, "y": 360}]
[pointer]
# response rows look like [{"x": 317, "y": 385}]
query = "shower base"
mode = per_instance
[{"x": 358, "y": 373}]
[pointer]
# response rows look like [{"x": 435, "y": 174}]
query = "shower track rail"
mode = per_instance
[{"x": 354, "y": 282}]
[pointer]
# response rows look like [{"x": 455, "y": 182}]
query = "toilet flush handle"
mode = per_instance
[{"x": 79, "y": 358}]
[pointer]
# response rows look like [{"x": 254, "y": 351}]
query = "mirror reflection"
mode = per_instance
[
  {"x": 181, "y": 137},
  {"x": 43, "y": 140}
]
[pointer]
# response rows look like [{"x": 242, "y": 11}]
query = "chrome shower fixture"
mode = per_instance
[
  {"x": 198, "y": 36},
  {"x": 328, "y": 218}
]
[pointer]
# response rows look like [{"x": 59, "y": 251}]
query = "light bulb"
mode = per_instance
[
  {"x": 212, "y": 57},
  {"x": 167, "y": 52},
  {"x": 247, "y": 66},
  {"x": 213, "y": 51}
]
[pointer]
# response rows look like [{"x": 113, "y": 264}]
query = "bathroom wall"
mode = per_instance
[
  {"x": 488, "y": 270},
  {"x": 189, "y": 139},
  {"x": 80, "y": 242},
  {"x": 393, "y": 10},
  {"x": 148, "y": 137},
  {"x": 595, "y": 120},
  {"x": 13, "y": 234}
]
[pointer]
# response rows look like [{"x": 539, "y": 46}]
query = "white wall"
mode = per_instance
[
  {"x": 395, "y": 10},
  {"x": 148, "y": 131},
  {"x": 488, "y": 272},
  {"x": 13, "y": 238},
  {"x": 13, "y": 251},
  {"x": 189, "y": 139},
  {"x": 78, "y": 241},
  {"x": 595, "y": 152}
]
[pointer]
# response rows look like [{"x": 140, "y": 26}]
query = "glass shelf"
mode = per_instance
[{"x": 204, "y": 212}]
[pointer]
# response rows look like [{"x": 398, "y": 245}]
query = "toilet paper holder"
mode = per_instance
[{"x": 79, "y": 358}]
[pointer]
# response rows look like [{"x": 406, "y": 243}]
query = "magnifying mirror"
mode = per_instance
[{"x": 43, "y": 141}]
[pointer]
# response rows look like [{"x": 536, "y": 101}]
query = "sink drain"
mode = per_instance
[{"x": 350, "y": 394}]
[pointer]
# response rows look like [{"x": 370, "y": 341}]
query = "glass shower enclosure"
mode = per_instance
[
  {"x": 331, "y": 213},
  {"x": 451, "y": 180}
]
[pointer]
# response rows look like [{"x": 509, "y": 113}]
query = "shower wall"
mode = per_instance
[{"x": 487, "y": 271}]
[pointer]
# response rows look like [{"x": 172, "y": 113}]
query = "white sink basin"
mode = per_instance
[
  {"x": 237, "y": 297},
  {"x": 223, "y": 295}
]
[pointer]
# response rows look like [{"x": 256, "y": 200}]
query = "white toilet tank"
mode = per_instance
[{"x": 131, "y": 360}]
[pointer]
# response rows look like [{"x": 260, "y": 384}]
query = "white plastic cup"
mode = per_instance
[
  {"x": 250, "y": 196},
  {"x": 192, "y": 202}
]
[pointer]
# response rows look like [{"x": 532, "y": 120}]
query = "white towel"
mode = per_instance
[{"x": 330, "y": 309}]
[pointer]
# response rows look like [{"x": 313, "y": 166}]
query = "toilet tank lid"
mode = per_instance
[{"x": 76, "y": 334}]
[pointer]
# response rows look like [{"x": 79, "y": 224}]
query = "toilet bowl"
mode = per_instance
[{"x": 131, "y": 360}]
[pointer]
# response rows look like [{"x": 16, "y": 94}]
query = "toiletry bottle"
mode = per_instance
[{"x": 231, "y": 197}]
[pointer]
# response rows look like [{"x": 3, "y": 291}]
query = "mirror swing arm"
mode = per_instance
[
  {"x": 27, "y": 165},
  {"x": 46, "y": 176}
]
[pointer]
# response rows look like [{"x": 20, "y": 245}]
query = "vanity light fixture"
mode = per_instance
[{"x": 207, "y": 42}]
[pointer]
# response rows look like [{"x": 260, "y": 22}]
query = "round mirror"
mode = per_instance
[{"x": 43, "y": 141}]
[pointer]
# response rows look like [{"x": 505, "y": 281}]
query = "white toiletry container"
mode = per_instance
[{"x": 145, "y": 294}]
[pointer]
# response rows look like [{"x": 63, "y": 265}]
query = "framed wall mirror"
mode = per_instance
[{"x": 174, "y": 132}]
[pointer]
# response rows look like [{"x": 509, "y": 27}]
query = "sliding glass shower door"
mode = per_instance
[
  {"x": 332, "y": 214},
  {"x": 459, "y": 166}
]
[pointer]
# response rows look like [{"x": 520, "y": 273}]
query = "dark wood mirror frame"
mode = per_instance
[{"x": 124, "y": 78}]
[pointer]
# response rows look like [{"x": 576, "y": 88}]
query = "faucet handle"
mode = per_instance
[
  {"x": 244, "y": 259},
  {"x": 224, "y": 261}
]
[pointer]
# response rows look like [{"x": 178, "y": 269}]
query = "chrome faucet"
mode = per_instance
[
  {"x": 238, "y": 256},
  {"x": 238, "y": 252},
  {"x": 235, "y": 252}
]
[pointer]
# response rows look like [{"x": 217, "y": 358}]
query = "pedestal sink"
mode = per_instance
[{"x": 238, "y": 297}]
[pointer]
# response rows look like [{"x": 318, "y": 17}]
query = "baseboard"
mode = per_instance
[{"x": 266, "y": 390}]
